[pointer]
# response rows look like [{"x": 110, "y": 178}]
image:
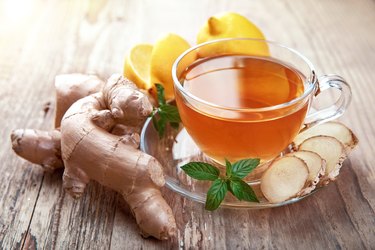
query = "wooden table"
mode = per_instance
[{"x": 40, "y": 39}]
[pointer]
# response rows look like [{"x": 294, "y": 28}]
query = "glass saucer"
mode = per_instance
[{"x": 176, "y": 148}]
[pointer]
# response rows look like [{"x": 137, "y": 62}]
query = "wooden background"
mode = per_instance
[{"x": 40, "y": 39}]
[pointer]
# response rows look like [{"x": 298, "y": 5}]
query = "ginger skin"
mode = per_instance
[
  {"x": 71, "y": 88},
  {"x": 44, "y": 147},
  {"x": 118, "y": 163},
  {"x": 39, "y": 147},
  {"x": 90, "y": 151}
]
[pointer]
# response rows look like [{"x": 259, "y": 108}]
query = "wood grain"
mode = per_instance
[{"x": 54, "y": 37}]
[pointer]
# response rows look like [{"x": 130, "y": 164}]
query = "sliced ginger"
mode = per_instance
[
  {"x": 334, "y": 129},
  {"x": 284, "y": 179},
  {"x": 322, "y": 149},
  {"x": 330, "y": 149},
  {"x": 315, "y": 164}
]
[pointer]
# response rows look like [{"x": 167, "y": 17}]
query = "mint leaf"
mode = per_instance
[
  {"x": 229, "y": 168},
  {"x": 241, "y": 190},
  {"x": 154, "y": 121},
  {"x": 243, "y": 167},
  {"x": 160, "y": 94},
  {"x": 167, "y": 113},
  {"x": 174, "y": 125},
  {"x": 201, "y": 171},
  {"x": 170, "y": 113},
  {"x": 161, "y": 126},
  {"x": 216, "y": 194}
]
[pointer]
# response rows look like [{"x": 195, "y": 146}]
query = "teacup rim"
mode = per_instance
[{"x": 307, "y": 92}]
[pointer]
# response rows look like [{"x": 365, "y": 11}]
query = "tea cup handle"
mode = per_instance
[{"x": 335, "y": 110}]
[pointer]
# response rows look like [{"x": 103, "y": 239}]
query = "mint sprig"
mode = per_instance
[
  {"x": 232, "y": 181},
  {"x": 167, "y": 113}
]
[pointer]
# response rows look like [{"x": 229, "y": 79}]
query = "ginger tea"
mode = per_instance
[{"x": 236, "y": 119}]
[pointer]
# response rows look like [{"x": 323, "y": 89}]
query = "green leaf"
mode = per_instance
[
  {"x": 242, "y": 190},
  {"x": 155, "y": 122},
  {"x": 243, "y": 167},
  {"x": 161, "y": 126},
  {"x": 216, "y": 194},
  {"x": 169, "y": 112},
  {"x": 175, "y": 125},
  {"x": 229, "y": 168},
  {"x": 160, "y": 94},
  {"x": 201, "y": 171}
]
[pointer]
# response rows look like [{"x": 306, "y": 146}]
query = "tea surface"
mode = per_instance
[{"x": 242, "y": 81}]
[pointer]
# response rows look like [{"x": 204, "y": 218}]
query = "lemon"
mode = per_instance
[
  {"x": 231, "y": 25},
  {"x": 137, "y": 65},
  {"x": 166, "y": 50}
]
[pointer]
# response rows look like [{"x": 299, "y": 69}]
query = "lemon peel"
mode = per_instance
[{"x": 231, "y": 25}]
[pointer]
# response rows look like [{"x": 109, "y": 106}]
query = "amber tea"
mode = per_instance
[{"x": 242, "y": 83}]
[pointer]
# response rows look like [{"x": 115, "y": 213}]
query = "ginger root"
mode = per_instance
[
  {"x": 39, "y": 147},
  {"x": 72, "y": 87},
  {"x": 44, "y": 147},
  {"x": 90, "y": 151}
]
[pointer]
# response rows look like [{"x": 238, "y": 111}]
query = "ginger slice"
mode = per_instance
[
  {"x": 334, "y": 129},
  {"x": 284, "y": 179},
  {"x": 315, "y": 164},
  {"x": 331, "y": 150}
]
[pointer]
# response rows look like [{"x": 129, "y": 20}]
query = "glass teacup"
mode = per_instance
[{"x": 249, "y": 103}]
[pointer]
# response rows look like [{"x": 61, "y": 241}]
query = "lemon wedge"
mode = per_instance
[
  {"x": 137, "y": 65},
  {"x": 166, "y": 50}
]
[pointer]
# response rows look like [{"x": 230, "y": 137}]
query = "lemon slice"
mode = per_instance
[{"x": 137, "y": 65}]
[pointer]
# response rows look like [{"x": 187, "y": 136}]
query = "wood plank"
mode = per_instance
[
  {"x": 87, "y": 36},
  {"x": 20, "y": 181}
]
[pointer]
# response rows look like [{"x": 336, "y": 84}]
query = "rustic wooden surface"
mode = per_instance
[{"x": 40, "y": 39}]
